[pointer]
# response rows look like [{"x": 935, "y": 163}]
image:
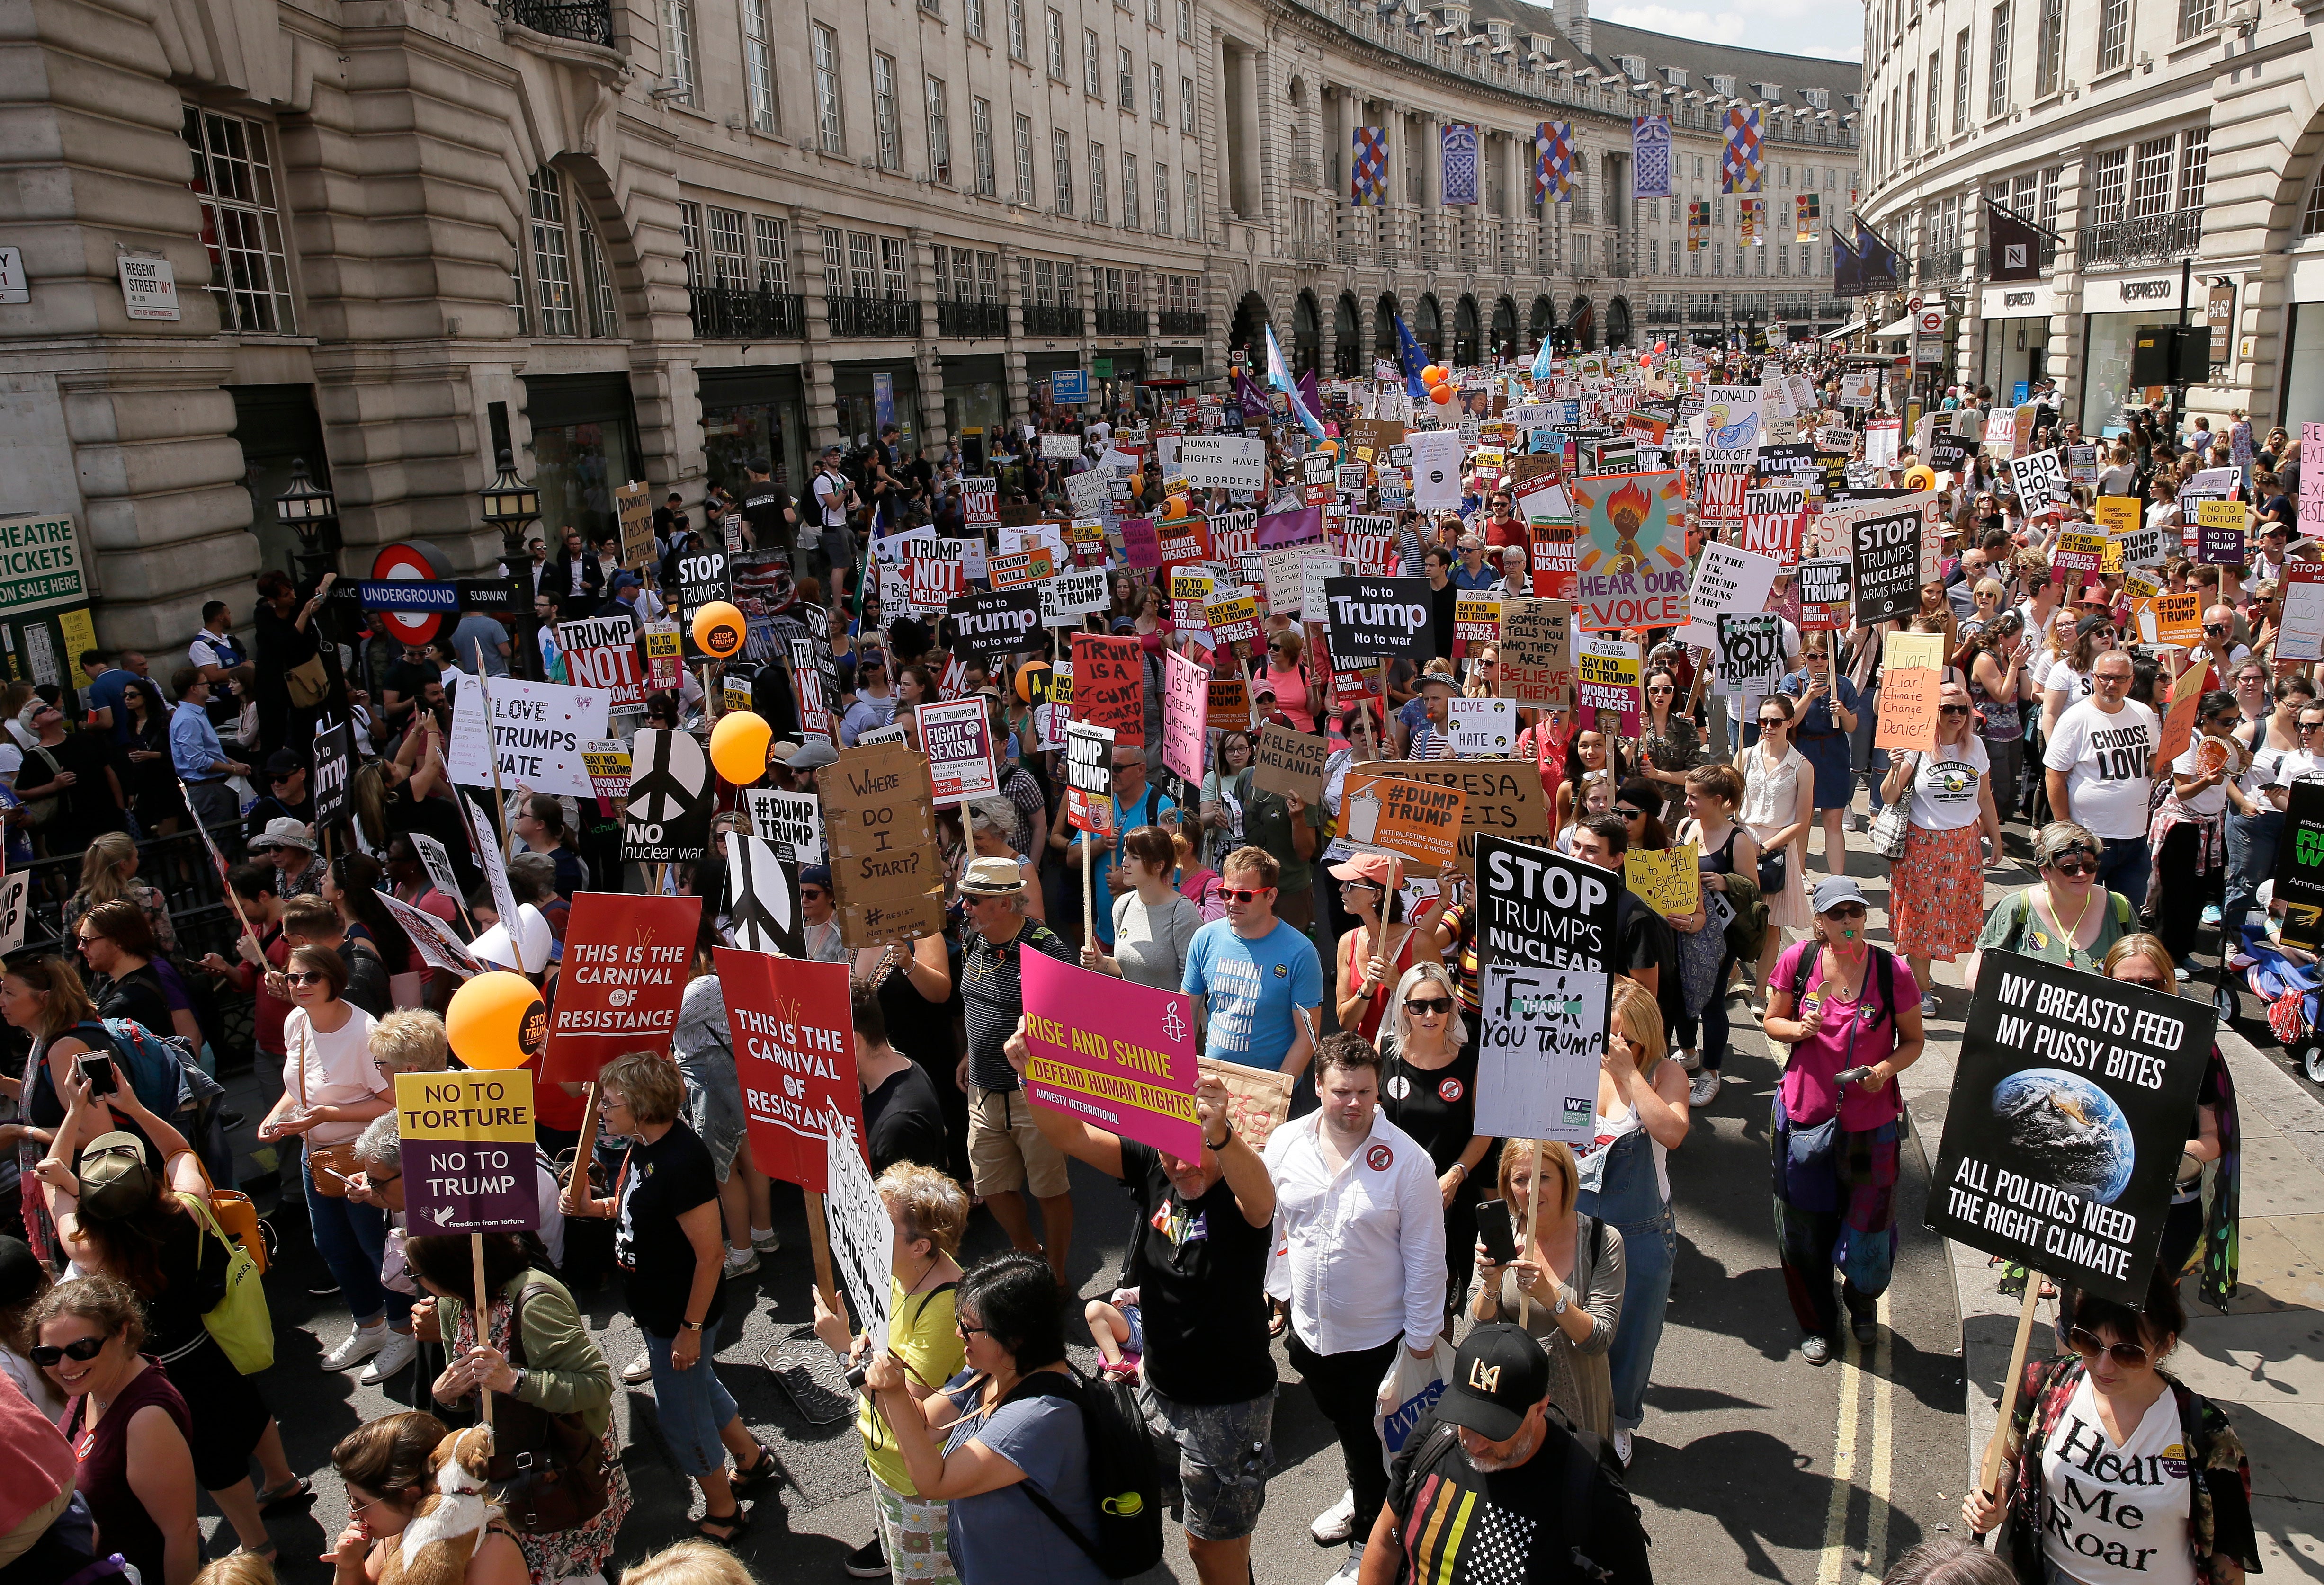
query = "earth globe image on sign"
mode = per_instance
[{"x": 2070, "y": 1127}]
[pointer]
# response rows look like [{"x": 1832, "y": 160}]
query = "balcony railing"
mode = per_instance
[
  {"x": 588, "y": 22},
  {"x": 734, "y": 313},
  {"x": 856, "y": 313},
  {"x": 1119, "y": 322},
  {"x": 1390, "y": 256},
  {"x": 1052, "y": 319},
  {"x": 955, "y": 318},
  {"x": 1308, "y": 250},
  {"x": 2156, "y": 238},
  {"x": 1184, "y": 322}
]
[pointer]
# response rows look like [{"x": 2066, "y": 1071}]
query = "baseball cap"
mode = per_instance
[
  {"x": 1835, "y": 889},
  {"x": 626, "y": 580},
  {"x": 283, "y": 762},
  {"x": 1500, "y": 1373},
  {"x": 815, "y": 875},
  {"x": 814, "y": 754},
  {"x": 114, "y": 1181},
  {"x": 1380, "y": 869}
]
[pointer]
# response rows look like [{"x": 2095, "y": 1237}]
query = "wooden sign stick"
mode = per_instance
[
  {"x": 481, "y": 1311},
  {"x": 588, "y": 1142},
  {"x": 818, "y": 1238},
  {"x": 1998, "y": 1449},
  {"x": 1533, "y": 1220}
]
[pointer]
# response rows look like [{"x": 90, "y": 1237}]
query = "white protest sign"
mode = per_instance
[
  {"x": 1483, "y": 728},
  {"x": 1537, "y": 1058},
  {"x": 1435, "y": 469},
  {"x": 792, "y": 821},
  {"x": 2040, "y": 480},
  {"x": 488, "y": 855},
  {"x": 1223, "y": 462},
  {"x": 1314, "y": 566},
  {"x": 433, "y": 937},
  {"x": 1727, "y": 579},
  {"x": 862, "y": 1236},
  {"x": 1073, "y": 594},
  {"x": 440, "y": 865},
  {"x": 1061, "y": 445},
  {"x": 538, "y": 730}
]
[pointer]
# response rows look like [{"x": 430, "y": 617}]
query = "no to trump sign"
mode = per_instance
[{"x": 467, "y": 1151}]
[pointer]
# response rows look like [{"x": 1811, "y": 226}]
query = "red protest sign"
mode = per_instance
[
  {"x": 601, "y": 652},
  {"x": 1110, "y": 685},
  {"x": 1776, "y": 534},
  {"x": 1189, "y": 540},
  {"x": 625, "y": 970},
  {"x": 795, "y": 1054}
]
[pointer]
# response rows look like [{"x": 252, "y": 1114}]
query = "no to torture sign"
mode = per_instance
[
  {"x": 2069, "y": 1112},
  {"x": 467, "y": 1151}
]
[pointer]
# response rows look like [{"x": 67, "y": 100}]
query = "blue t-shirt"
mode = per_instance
[
  {"x": 109, "y": 691},
  {"x": 1127, "y": 818},
  {"x": 1252, "y": 986},
  {"x": 1001, "y": 1534}
]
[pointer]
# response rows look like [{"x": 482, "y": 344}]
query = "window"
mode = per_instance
[
  {"x": 835, "y": 260},
  {"x": 1129, "y": 191},
  {"x": 1936, "y": 65},
  {"x": 759, "y": 67},
  {"x": 1016, "y": 29},
  {"x": 979, "y": 131},
  {"x": 2196, "y": 16},
  {"x": 516, "y": 294},
  {"x": 828, "y": 127},
  {"x": 774, "y": 236},
  {"x": 1093, "y": 84},
  {"x": 1154, "y": 94},
  {"x": 2149, "y": 178},
  {"x": 863, "y": 264},
  {"x": 1187, "y": 104},
  {"x": 678, "y": 46},
  {"x": 1125, "y": 79},
  {"x": 1097, "y": 208},
  {"x": 1058, "y": 44},
  {"x": 1996, "y": 92},
  {"x": 939, "y": 136},
  {"x": 894, "y": 282},
  {"x": 2312, "y": 218},
  {"x": 604, "y": 320},
  {"x": 2194, "y": 166},
  {"x": 2050, "y": 48},
  {"x": 1024, "y": 159},
  {"x": 2107, "y": 186},
  {"x": 250, "y": 275},
  {"x": 1162, "y": 200},
  {"x": 883, "y": 112},
  {"x": 552, "y": 268},
  {"x": 2114, "y": 34},
  {"x": 2050, "y": 180},
  {"x": 931, "y": 7},
  {"x": 689, "y": 237},
  {"x": 1193, "y": 221},
  {"x": 1185, "y": 22},
  {"x": 972, "y": 18},
  {"x": 1961, "y": 80},
  {"x": 730, "y": 253},
  {"x": 1912, "y": 99},
  {"x": 1154, "y": 12},
  {"x": 988, "y": 278},
  {"x": 1061, "y": 163}
]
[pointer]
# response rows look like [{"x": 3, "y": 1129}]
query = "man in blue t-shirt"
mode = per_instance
[
  {"x": 1256, "y": 978},
  {"x": 1135, "y": 803}
]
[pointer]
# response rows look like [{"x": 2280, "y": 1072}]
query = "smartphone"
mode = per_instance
[
  {"x": 1493, "y": 1227},
  {"x": 97, "y": 1072}
]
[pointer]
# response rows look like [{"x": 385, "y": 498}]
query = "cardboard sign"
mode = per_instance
[
  {"x": 467, "y": 1151},
  {"x": 1317, "y": 568},
  {"x": 537, "y": 732},
  {"x": 957, "y": 738},
  {"x": 862, "y": 1234},
  {"x": 1141, "y": 544},
  {"x": 667, "y": 818},
  {"x": 1539, "y": 1052},
  {"x": 1110, "y": 685},
  {"x": 2040, "y": 480},
  {"x": 625, "y": 968},
  {"x": 1908, "y": 707},
  {"x": 2178, "y": 720},
  {"x": 1397, "y": 815},
  {"x": 1669, "y": 882},
  {"x": 634, "y": 506},
  {"x": 792, "y": 822},
  {"x": 1378, "y": 618},
  {"x": 1885, "y": 552},
  {"x": 1289, "y": 761},
  {"x": 602, "y": 653},
  {"x": 1537, "y": 654},
  {"x": 794, "y": 1041},
  {"x": 881, "y": 829},
  {"x": 1483, "y": 727},
  {"x": 1258, "y": 1100},
  {"x": 2068, "y": 1116},
  {"x": 1185, "y": 713},
  {"x": 1117, "y": 1055},
  {"x": 1089, "y": 779},
  {"x": 2301, "y": 636}
]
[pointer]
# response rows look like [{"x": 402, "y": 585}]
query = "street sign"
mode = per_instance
[{"x": 1069, "y": 385}]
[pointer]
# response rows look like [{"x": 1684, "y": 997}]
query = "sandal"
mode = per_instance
[
  {"x": 762, "y": 1471},
  {"x": 737, "y": 1524},
  {"x": 298, "y": 1491}
]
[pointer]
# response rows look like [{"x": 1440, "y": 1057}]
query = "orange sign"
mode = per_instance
[
  {"x": 1414, "y": 818},
  {"x": 1908, "y": 707}
]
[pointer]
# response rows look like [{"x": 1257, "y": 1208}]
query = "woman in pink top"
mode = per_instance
[{"x": 1294, "y": 696}]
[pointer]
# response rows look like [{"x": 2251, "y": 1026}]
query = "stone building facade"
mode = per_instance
[{"x": 651, "y": 239}]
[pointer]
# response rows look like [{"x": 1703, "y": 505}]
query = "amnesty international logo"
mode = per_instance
[{"x": 1174, "y": 1027}]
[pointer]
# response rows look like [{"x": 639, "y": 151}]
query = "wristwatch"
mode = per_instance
[
  {"x": 1562, "y": 1301},
  {"x": 690, "y": 1325},
  {"x": 516, "y": 1387}
]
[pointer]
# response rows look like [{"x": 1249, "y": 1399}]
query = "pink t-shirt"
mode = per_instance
[
  {"x": 1846, "y": 1041},
  {"x": 1291, "y": 691}
]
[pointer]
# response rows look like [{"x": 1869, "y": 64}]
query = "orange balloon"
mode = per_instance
[
  {"x": 1441, "y": 395},
  {"x": 738, "y": 746},
  {"x": 718, "y": 629},
  {"x": 1434, "y": 375},
  {"x": 1174, "y": 507},
  {"x": 496, "y": 1020},
  {"x": 1329, "y": 446}
]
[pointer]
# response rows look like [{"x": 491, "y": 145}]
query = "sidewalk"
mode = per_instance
[{"x": 2264, "y": 1361}]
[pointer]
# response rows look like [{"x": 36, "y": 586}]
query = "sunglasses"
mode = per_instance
[
  {"x": 1662, "y": 690},
  {"x": 309, "y": 977},
  {"x": 1770, "y": 723},
  {"x": 2149, "y": 980},
  {"x": 1628, "y": 811},
  {"x": 1233, "y": 896},
  {"x": 1845, "y": 911},
  {"x": 83, "y": 1349},
  {"x": 2076, "y": 867},
  {"x": 1952, "y": 709},
  {"x": 966, "y": 1331},
  {"x": 2217, "y": 633},
  {"x": 2129, "y": 1356},
  {"x": 813, "y": 893},
  {"x": 1434, "y": 1006}
]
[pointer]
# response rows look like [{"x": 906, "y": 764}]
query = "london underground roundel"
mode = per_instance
[{"x": 409, "y": 562}]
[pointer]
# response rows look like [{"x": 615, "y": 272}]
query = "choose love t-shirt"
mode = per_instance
[{"x": 2105, "y": 757}]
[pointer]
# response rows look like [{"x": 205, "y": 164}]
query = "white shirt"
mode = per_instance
[
  {"x": 2117, "y": 1515},
  {"x": 1358, "y": 1254},
  {"x": 834, "y": 485},
  {"x": 2211, "y": 800},
  {"x": 338, "y": 1070},
  {"x": 2105, "y": 757},
  {"x": 1945, "y": 785}
]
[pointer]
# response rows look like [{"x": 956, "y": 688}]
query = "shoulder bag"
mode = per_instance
[
  {"x": 1894, "y": 824},
  {"x": 329, "y": 1165},
  {"x": 550, "y": 1472},
  {"x": 308, "y": 682},
  {"x": 240, "y": 1320}
]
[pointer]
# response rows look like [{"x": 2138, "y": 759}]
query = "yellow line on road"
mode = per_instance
[
  {"x": 1860, "y": 1385},
  {"x": 1884, "y": 1440},
  {"x": 1833, "y": 1569}
]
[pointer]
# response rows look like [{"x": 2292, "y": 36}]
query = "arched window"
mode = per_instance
[
  {"x": 572, "y": 292},
  {"x": 2312, "y": 219}
]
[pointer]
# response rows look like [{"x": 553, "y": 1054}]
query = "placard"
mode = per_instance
[
  {"x": 989, "y": 625},
  {"x": 1317, "y": 568},
  {"x": 791, "y": 822},
  {"x": 1608, "y": 674},
  {"x": 1185, "y": 714},
  {"x": 335, "y": 758},
  {"x": 665, "y": 655},
  {"x": 2311, "y": 480},
  {"x": 1476, "y": 620},
  {"x": 2300, "y": 865},
  {"x": 763, "y": 911},
  {"x": 1223, "y": 462},
  {"x": 1483, "y": 727},
  {"x": 957, "y": 738},
  {"x": 1290, "y": 761},
  {"x": 1398, "y": 814},
  {"x": 1824, "y": 589},
  {"x": 1089, "y": 779},
  {"x": 1726, "y": 579},
  {"x": 1751, "y": 651},
  {"x": 1021, "y": 570},
  {"x": 794, "y": 1040},
  {"x": 1074, "y": 594},
  {"x": 2066, "y": 1122},
  {"x": 2301, "y": 636},
  {"x": 430, "y": 934},
  {"x": 2078, "y": 557},
  {"x": 1632, "y": 551},
  {"x": 2219, "y": 537},
  {"x": 668, "y": 816},
  {"x": 2040, "y": 480},
  {"x": 1258, "y": 1100},
  {"x": 1375, "y": 619},
  {"x": 1539, "y": 1052},
  {"x": 627, "y": 960},
  {"x": 1233, "y": 618},
  {"x": 862, "y": 1233},
  {"x": 538, "y": 730},
  {"x": 1117, "y": 1055},
  {"x": 2119, "y": 515},
  {"x": 1536, "y": 654},
  {"x": 1885, "y": 555},
  {"x": 467, "y": 1151},
  {"x": 12, "y": 912},
  {"x": 1908, "y": 707}
]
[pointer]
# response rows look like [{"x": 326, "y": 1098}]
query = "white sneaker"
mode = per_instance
[
  {"x": 1622, "y": 1448},
  {"x": 1704, "y": 1090},
  {"x": 741, "y": 1262},
  {"x": 400, "y": 1349},
  {"x": 639, "y": 1369},
  {"x": 767, "y": 1242},
  {"x": 1929, "y": 1005},
  {"x": 1349, "y": 1571},
  {"x": 1692, "y": 1061},
  {"x": 360, "y": 1344},
  {"x": 1335, "y": 1524}
]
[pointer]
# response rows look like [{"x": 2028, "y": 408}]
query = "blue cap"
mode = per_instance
[{"x": 627, "y": 580}]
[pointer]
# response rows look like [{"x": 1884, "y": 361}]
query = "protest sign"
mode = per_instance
[
  {"x": 980, "y": 502},
  {"x": 2186, "y": 699},
  {"x": 624, "y": 970},
  {"x": 1482, "y": 726},
  {"x": 701, "y": 578},
  {"x": 1751, "y": 651},
  {"x": 1537, "y": 654},
  {"x": 763, "y": 911},
  {"x": 2171, "y": 619},
  {"x": 2039, "y": 478},
  {"x": 2219, "y": 537},
  {"x": 1280, "y": 570},
  {"x": 2300, "y": 865},
  {"x": 1223, "y": 462},
  {"x": 1885, "y": 552},
  {"x": 2301, "y": 636},
  {"x": 792, "y": 821},
  {"x": 1631, "y": 569},
  {"x": 794, "y": 1039},
  {"x": 1230, "y": 704},
  {"x": 958, "y": 739},
  {"x": 12, "y": 912},
  {"x": 1232, "y": 619},
  {"x": 1774, "y": 535},
  {"x": 1476, "y": 620},
  {"x": 1378, "y": 618},
  {"x": 2067, "y": 1119},
  {"x": 1607, "y": 673},
  {"x": 881, "y": 830},
  {"x": 1117, "y": 1055},
  {"x": 608, "y": 763},
  {"x": 1908, "y": 707},
  {"x": 1822, "y": 587},
  {"x": 2117, "y": 515},
  {"x": 1109, "y": 685},
  {"x": 862, "y": 1233},
  {"x": 430, "y": 934},
  {"x": 334, "y": 758},
  {"x": 2311, "y": 480},
  {"x": 1669, "y": 882},
  {"x": 665, "y": 658},
  {"x": 1089, "y": 779},
  {"x": 1141, "y": 544},
  {"x": 1726, "y": 579},
  {"x": 1185, "y": 713},
  {"x": 1073, "y": 594},
  {"x": 988, "y": 625},
  {"x": 1258, "y": 1100},
  {"x": 1400, "y": 815},
  {"x": 1290, "y": 761},
  {"x": 634, "y": 507},
  {"x": 1020, "y": 571},
  {"x": 1317, "y": 568},
  {"x": 1190, "y": 592},
  {"x": 537, "y": 732},
  {"x": 1435, "y": 469},
  {"x": 467, "y": 1151},
  {"x": 667, "y": 819},
  {"x": 1545, "y": 941},
  {"x": 1731, "y": 424},
  {"x": 602, "y": 653},
  {"x": 2076, "y": 557}
]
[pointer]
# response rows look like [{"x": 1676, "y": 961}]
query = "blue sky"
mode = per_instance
[{"x": 1830, "y": 30}]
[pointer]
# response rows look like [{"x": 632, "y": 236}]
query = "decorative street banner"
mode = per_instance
[
  {"x": 762, "y": 898},
  {"x": 1396, "y": 815},
  {"x": 987, "y": 626},
  {"x": 602, "y": 653},
  {"x": 1545, "y": 939},
  {"x": 792, "y": 821},
  {"x": 1459, "y": 173},
  {"x": 1885, "y": 552},
  {"x": 862, "y": 1233},
  {"x": 1378, "y": 618},
  {"x": 1537, "y": 654},
  {"x": 1089, "y": 779},
  {"x": 335, "y": 756},
  {"x": 467, "y": 1151},
  {"x": 957, "y": 738},
  {"x": 1290, "y": 761},
  {"x": 1633, "y": 552},
  {"x": 1110, "y": 685},
  {"x": 1650, "y": 157},
  {"x": 794, "y": 1041},
  {"x": 625, "y": 970},
  {"x": 881, "y": 829},
  {"x": 2068, "y": 1116},
  {"x": 538, "y": 730},
  {"x": 1185, "y": 713},
  {"x": 667, "y": 818},
  {"x": 1116, "y": 1055}
]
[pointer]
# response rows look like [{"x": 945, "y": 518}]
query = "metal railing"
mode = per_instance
[
  {"x": 955, "y": 318},
  {"x": 738, "y": 313},
  {"x": 1119, "y": 322},
  {"x": 856, "y": 313},
  {"x": 1308, "y": 250},
  {"x": 2148, "y": 238},
  {"x": 1184, "y": 322},
  {"x": 587, "y": 22},
  {"x": 1052, "y": 319}
]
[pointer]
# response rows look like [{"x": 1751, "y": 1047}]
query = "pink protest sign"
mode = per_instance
[
  {"x": 1185, "y": 711},
  {"x": 1140, "y": 546},
  {"x": 1119, "y": 1056}
]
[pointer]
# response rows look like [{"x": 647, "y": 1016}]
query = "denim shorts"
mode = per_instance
[
  {"x": 1225, "y": 1454},
  {"x": 692, "y": 1406}
]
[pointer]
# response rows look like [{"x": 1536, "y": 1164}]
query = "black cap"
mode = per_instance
[
  {"x": 758, "y": 464},
  {"x": 1500, "y": 1373},
  {"x": 283, "y": 762}
]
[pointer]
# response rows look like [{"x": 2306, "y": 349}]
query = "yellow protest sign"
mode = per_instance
[
  {"x": 481, "y": 1106},
  {"x": 2117, "y": 515},
  {"x": 1669, "y": 882},
  {"x": 2221, "y": 514},
  {"x": 1899, "y": 652}
]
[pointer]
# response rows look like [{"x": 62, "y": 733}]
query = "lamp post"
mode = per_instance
[
  {"x": 510, "y": 503},
  {"x": 307, "y": 511}
]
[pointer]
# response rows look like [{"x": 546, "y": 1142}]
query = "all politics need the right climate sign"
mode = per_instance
[{"x": 2072, "y": 1101}]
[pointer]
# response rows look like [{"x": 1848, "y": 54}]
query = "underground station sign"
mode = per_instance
[{"x": 467, "y": 1151}]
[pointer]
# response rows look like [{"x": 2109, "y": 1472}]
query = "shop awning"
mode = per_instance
[
  {"x": 1903, "y": 327},
  {"x": 1850, "y": 329}
]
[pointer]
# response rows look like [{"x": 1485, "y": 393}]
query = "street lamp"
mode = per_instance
[
  {"x": 307, "y": 511},
  {"x": 510, "y": 503}
]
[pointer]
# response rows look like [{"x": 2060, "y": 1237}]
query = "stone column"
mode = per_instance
[
  {"x": 1012, "y": 357},
  {"x": 928, "y": 366},
  {"x": 818, "y": 388}
]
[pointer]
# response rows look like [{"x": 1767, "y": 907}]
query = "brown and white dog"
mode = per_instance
[{"x": 436, "y": 1547}]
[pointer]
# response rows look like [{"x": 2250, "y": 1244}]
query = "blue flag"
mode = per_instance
[
  {"x": 1414, "y": 360},
  {"x": 1278, "y": 374}
]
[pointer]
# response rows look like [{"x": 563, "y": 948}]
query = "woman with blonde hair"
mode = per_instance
[
  {"x": 2144, "y": 960},
  {"x": 108, "y": 870},
  {"x": 1428, "y": 1088},
  {"x": 930, "y": 1213},
  {"x": 385, "y": 1467},
  {"x": 1566, "y": 1281},
  {"x": 689, "y": 1562},
  {"x": 410, "y": 1040}
]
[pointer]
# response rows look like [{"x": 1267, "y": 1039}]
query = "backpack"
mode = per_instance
[
  {"x": 1883, "y": 960},
  {"x": 152, "y": 1066},
  {"x": 1122, "y": 1473}
]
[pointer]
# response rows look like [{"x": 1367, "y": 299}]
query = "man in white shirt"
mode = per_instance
[
  {"x": 2100, "y": 768},
  {"x": 1360, "y": 1236},
  {"x": 833, "y": 497}
]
